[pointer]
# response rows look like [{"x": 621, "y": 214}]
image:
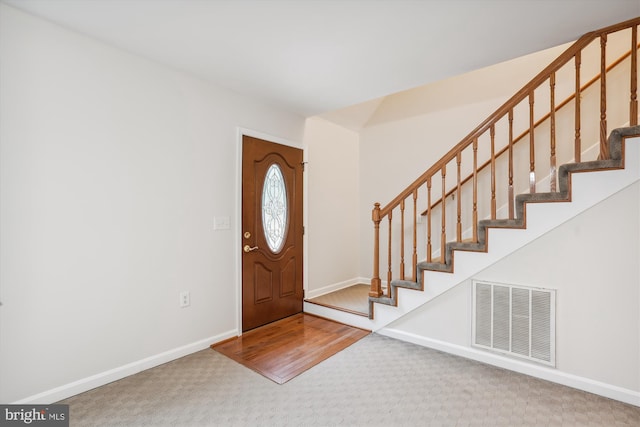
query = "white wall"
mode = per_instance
[
  {"x": 592, "y": 262},
  {"x": 112, "y": 169},
  {"x": 333, "y": 215}
]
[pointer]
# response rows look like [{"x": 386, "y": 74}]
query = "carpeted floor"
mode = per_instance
[
  {"x": 354, "y": 299},
  {"x": 378, "y": 381}
]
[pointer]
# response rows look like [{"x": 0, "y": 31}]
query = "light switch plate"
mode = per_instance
[{"x": 221, "y": 223}]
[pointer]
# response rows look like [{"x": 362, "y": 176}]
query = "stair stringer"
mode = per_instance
[{"x": 506, "y": 236}]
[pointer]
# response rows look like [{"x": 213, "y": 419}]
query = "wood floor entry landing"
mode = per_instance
[{"x": 284, "y": 349}]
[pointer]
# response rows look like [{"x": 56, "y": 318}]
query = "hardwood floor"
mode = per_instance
[{"x": 284, "y": 349}]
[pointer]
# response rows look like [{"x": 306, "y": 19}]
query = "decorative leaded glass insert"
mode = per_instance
[{"x": 274, "y": 208}]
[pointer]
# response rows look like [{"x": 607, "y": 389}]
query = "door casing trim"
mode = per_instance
[{"x": 237, "y": 226}]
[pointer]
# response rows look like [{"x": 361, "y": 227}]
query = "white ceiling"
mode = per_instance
[{"x": 314, "y": 56}]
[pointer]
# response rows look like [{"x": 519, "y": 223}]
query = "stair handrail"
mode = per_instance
[
  {"x": 502, "y": 111},
  {"x": 538, "y": 123},
  {"x": 378, "y": 212}
]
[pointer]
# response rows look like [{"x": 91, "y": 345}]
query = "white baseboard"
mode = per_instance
[
  {"x": 549, "y": 374},
  {"x": 97, "y": 380},
  {"x": 336, "y": 287}
]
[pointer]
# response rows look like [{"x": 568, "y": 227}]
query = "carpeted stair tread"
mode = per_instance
[
  {"x": 382, "y": 300},
  {"x": 500, "y": 223},
  {"x": 467, "y": 246},
  {"x": 395, "y": 284},
  {"x": 592, "y": 165},
  {"x": 556, "y": 196},
  {"x": 438, "y": 266},
  {"x": 406, "y": 284}
]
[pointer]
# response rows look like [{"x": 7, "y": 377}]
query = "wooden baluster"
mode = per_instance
[
  {"x": 552, "y": 84},
  {"x": 475, "y": 190},
  {"x": 389, "y": 271},
  {"x": 493, "y": 171},
  {"x": 633, "y": 108},
  {"x": 532, "y": 149},
  {"x": 429, "y": 219},
  {"x": 402, "y": 240},
  {"x": 604, "y": 149},
  {"x": 443, "y": 235},
  {"x": 577, "y": 149},
  {"x": 459, "y": 204},
  {"x": 510, "y": 194},
  {"x": 414, "y": 261},
  {"x": 376, "y": 284}
]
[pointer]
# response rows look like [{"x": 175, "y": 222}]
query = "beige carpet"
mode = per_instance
[
  {"x": 354, "y": 299},
  {"x": 378, "y": 381}
]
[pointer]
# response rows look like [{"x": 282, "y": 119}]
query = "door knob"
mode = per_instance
[{"x": 248, "y": 248}]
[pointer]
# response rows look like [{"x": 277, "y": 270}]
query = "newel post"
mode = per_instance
[{"x": 376, "y": 284}]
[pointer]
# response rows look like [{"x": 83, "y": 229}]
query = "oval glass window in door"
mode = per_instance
[{"x": 274, "y": 208}]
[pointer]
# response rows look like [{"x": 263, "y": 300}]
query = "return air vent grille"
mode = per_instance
[{"x": 515, "y": 320}]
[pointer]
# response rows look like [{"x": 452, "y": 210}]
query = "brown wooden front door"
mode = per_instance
[{"x": 271, "y": 232}]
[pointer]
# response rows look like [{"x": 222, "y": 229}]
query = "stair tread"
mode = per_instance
[
  {"x": 543, "y": 197},
  {"x": 501, "y": 223},
  {"x": 470, "y": 244}
]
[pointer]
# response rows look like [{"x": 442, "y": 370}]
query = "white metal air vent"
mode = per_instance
[{"x": 515, "y": 320}]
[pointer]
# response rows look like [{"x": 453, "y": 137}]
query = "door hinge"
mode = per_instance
[
  {"x": 303, "y": 230},
  {"x": 303, "y": 163}
]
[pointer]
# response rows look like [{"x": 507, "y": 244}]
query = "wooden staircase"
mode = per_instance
[
  {"x": 615, "y": 161},
  {"x": 492, "y": 148},
  {"x": 496, "y": 176}
]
